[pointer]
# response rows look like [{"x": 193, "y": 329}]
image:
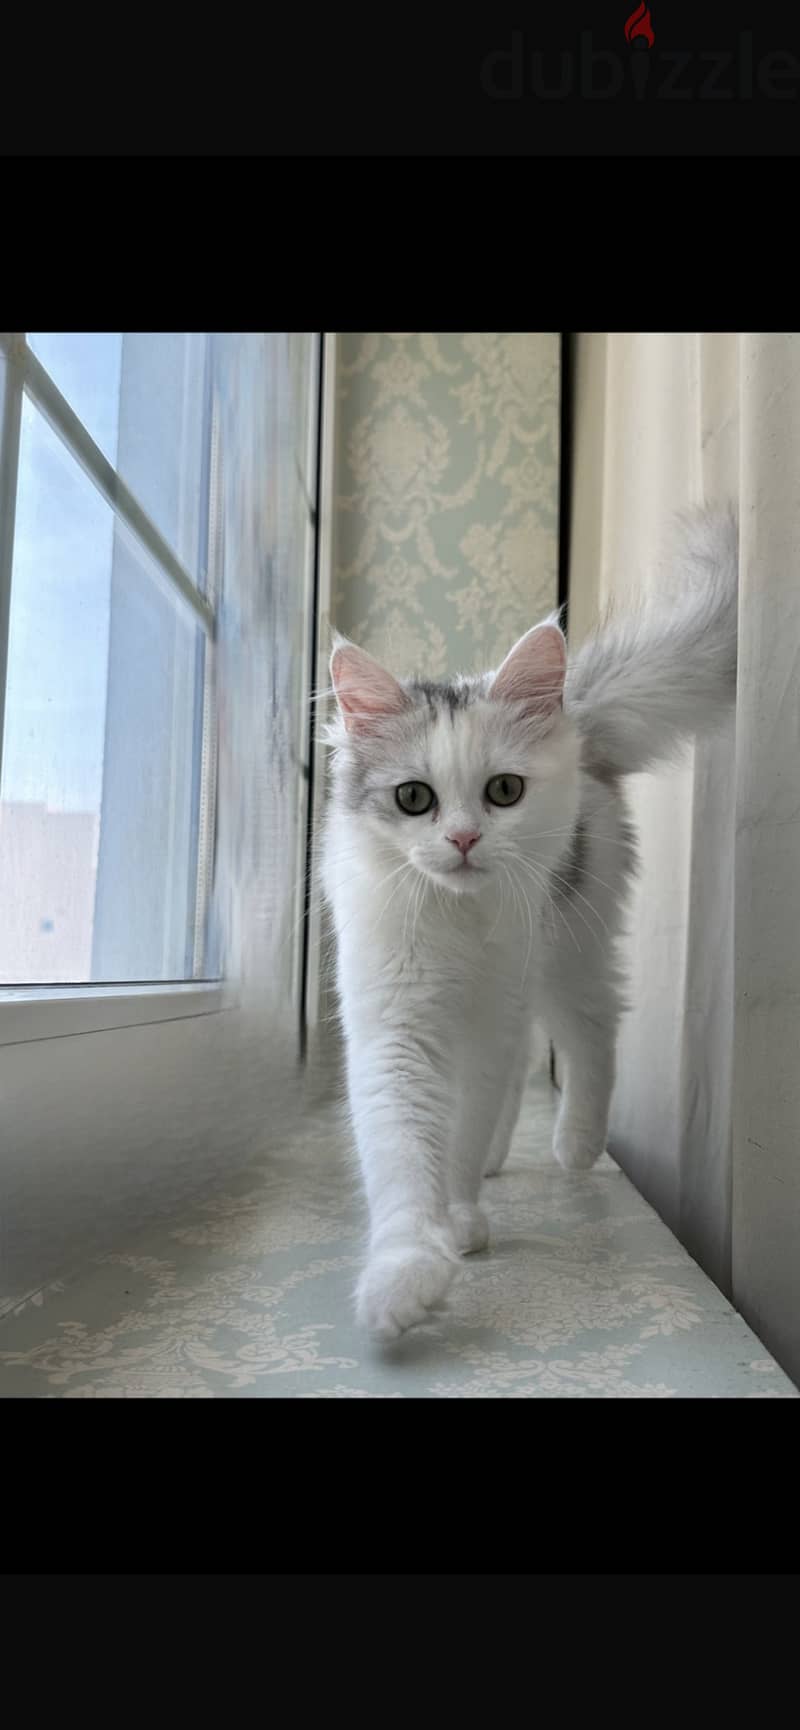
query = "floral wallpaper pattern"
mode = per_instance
[
  {"x": 447, "y": 493},
  {"x": 248, "y": 1294}
]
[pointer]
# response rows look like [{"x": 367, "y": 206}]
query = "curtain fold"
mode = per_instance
[{"x": 706, "y": 1113}]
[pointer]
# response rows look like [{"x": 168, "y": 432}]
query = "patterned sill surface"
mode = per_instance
[{"x": 583, "y": 1294}]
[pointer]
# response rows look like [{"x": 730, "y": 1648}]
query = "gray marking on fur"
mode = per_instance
[
  {"x": 440, "y": 695},
  {"x": 569, "y": 878},
  {"x": 629, "y": 851},
  {"x": 600, "y": 770},
  {"x": 352, "y": 777}
]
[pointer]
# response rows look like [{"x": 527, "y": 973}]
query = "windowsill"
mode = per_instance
[{"x": 30, "y": 1012}]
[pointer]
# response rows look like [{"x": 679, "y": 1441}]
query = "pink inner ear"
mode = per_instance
[
  {"x": 533, "y": 672},
  {"x": 365, "y": 692}
]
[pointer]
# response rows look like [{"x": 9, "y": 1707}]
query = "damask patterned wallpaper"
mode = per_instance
[{"x": 447, "y": 494}]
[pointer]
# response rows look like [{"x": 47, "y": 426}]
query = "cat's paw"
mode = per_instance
[
  {"x": 470, "y": 1227},
  {"x": 576, "y": 1151},
  {"x": 400, "y": 1286}
]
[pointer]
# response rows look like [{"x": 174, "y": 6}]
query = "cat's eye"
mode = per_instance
[
  {"x": 504, "y": 789},
  {"x": 415, "y": 797}
]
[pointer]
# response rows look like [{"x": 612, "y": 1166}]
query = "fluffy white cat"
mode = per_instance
[{"x": 476, "y": 857}]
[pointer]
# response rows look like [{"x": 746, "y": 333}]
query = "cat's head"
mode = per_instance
[{"x": 461, "y": 779}]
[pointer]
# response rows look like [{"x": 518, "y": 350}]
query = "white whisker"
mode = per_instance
[{"x": 526, "y": 863}]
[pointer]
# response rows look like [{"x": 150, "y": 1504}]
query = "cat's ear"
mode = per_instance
[
  {"x": 365, "y": 692},
  {"x": 533, "y": 672}
]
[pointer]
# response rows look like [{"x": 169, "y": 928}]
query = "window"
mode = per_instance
[
  {"x": 159, "y": 500},
  {"x": 106, "y": 788}
]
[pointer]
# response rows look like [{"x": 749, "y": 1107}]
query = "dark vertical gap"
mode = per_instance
[
  {"x": 564, "y": 510},
  {"x": 553, "y": 1077},
  {"x": 312, "y": 724}
]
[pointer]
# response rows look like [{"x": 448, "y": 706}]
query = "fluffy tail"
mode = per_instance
[{"x": 640, "y": 686}]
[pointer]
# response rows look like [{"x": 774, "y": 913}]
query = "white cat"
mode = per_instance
[{"x": 476, "y": 857}]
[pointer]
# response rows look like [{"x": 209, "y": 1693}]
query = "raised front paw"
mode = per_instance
[
  {"x": 470, "y": 1227},
  {"x": 400, "y": 1285}
]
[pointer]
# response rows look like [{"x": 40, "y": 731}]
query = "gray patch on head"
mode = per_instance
[
  {"x": 352, "y": 775},
  {"x": 366, "y": 766},
  {"x": 353, "y": 787},
  {"x": 361, "y": 762},
  {"x": 440, "y": 695}
]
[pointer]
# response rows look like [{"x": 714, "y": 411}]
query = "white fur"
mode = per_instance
[{"x": 443, "y": 969}]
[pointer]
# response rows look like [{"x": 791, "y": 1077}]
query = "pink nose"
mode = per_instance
[{"x": 464, "y": 839}]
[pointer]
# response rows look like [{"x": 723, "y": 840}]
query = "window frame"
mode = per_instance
[{"x": 51, "y": 1011}]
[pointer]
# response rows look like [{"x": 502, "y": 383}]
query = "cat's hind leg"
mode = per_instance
[{"x": 586, "y": 1046}]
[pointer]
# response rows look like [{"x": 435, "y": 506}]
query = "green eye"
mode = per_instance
[
  {"x": 415, "y": 797},
  {"x": 504, "y": 789}
]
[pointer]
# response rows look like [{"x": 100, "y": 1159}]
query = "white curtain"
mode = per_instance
[{"x": 706, "y": 1114}]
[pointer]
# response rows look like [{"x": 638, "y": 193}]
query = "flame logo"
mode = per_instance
[{"x": 639, "y": 24}]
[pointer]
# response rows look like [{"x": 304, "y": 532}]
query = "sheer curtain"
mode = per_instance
[{"x": 706, "y": 1113}]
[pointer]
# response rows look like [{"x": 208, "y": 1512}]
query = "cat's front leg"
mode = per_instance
[
  {"x": 399, "y": 1102},
  {"x": 406, "y": 1278}
]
